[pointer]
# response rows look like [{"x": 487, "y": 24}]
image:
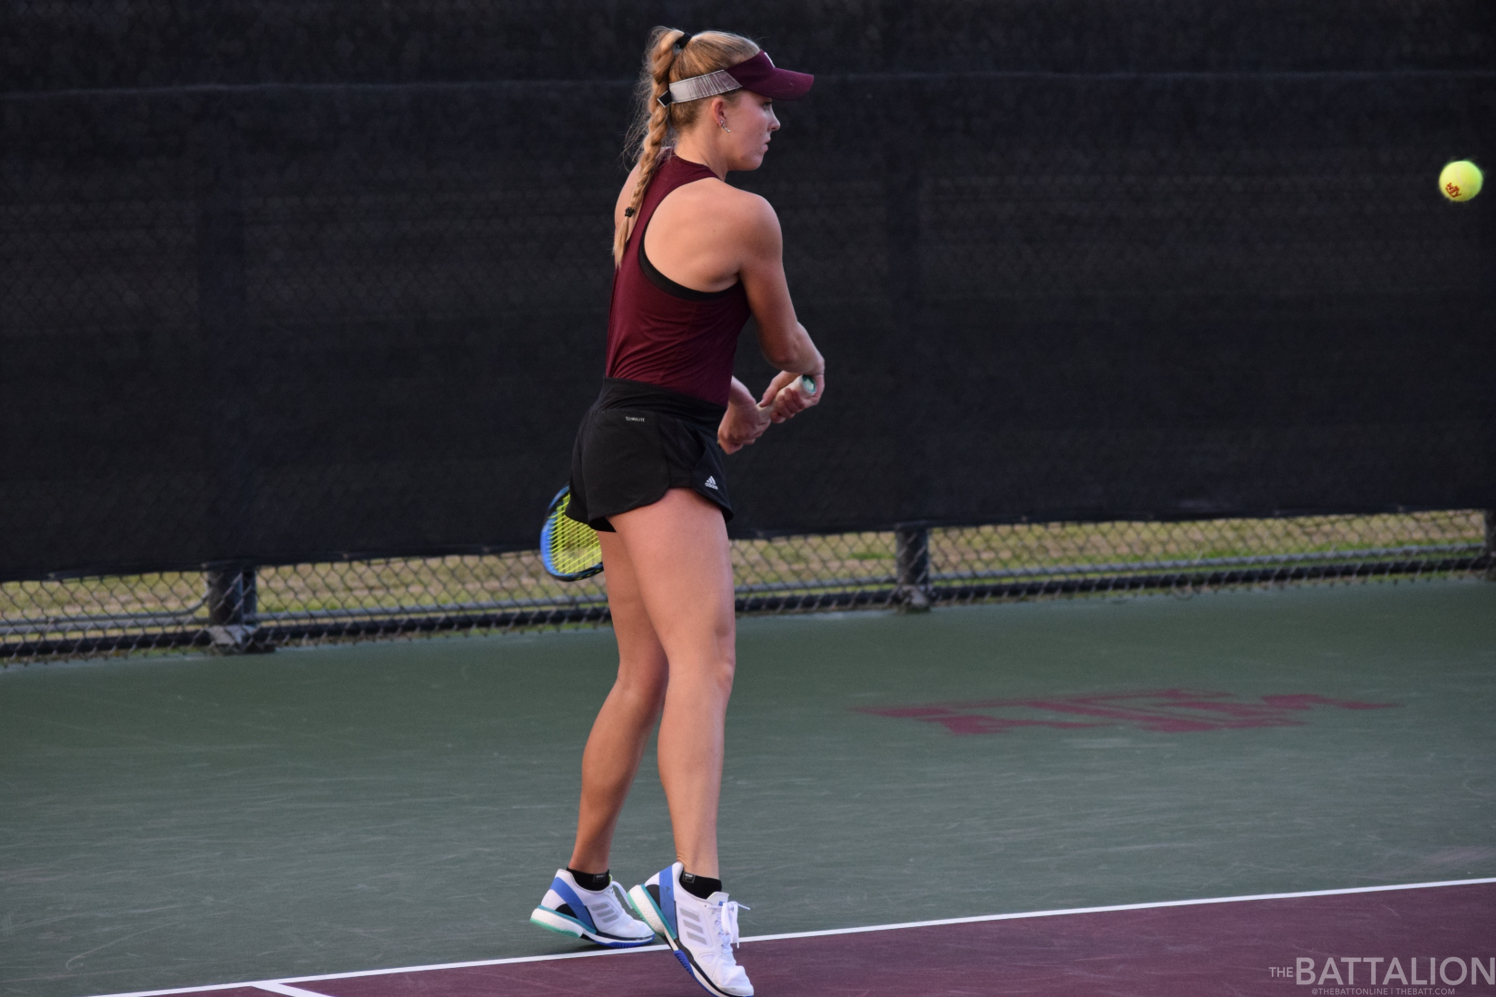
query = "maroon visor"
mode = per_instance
[
  {"x": 761, "y": 75},
  {"x": 758, "y": 74}
]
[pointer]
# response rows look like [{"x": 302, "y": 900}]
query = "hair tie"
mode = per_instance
[{"x": 629, "y": 212}]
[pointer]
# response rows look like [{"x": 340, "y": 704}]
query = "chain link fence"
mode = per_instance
[
  {"x": 244, "y": 608},
  {"x": 279, "y": 281}
]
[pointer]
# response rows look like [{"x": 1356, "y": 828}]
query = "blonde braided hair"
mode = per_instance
[{"x": 671, "y": 56}]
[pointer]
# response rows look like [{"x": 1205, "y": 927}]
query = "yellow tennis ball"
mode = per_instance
[{"x": 1460, "y": 180}]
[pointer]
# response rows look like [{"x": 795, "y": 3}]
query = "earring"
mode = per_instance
[{"x": 723, "y": 126}]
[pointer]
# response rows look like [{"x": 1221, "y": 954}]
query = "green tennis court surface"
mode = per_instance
[{"x": 176, "y": 822}]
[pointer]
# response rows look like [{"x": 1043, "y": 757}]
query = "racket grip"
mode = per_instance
[{"x": 805, "y": 382}]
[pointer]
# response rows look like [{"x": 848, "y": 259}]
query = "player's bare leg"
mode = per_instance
[
  {"x": 679, "y": 548},
  {"x": 615, "y": 745}
]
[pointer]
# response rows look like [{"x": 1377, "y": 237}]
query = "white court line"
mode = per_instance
[
  {"x": 281, "y": 986},
  {"x": 1104, "y": 910}
]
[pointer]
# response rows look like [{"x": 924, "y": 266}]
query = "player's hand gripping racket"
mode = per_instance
[
  {"x": 805, "y": 382},
  {"x": 730, "y": 442}
]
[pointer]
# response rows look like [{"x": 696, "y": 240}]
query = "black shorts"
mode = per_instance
[{"x": 637, "y": 441}]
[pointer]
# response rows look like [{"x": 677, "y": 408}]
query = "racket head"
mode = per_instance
[{"x": 570, "y": 549}]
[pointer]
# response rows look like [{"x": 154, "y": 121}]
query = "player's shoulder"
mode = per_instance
[
  {"x": 726, "y": 197},
  {"x": 747, "y": 211},
  {"x": 746, "y": 202}
]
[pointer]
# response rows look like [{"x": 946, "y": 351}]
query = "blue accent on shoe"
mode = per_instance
[
  {"x": 666, "y": 881},
  {"x": 580, "y": 909}
]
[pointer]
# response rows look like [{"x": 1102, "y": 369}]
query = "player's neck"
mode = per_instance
[{"x": 690, "y": 149}]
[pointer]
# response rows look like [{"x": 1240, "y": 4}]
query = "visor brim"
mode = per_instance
[
  {"x": 761, "y": 76},
  {"x": 782, "y": 85}
]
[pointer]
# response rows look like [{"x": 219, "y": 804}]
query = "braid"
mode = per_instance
[{"x": 653, "y": 126}]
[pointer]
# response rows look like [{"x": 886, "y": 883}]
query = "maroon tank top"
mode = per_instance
[{"x": 661, "y": 332}]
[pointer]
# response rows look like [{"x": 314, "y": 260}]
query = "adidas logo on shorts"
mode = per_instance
[{"x": 711, "y": 483}]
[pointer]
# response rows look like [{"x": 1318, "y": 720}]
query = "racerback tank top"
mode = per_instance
[{"x": 661, "y": 332}]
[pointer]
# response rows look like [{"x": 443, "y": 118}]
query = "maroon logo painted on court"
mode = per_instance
[{"x": 1173, "y": 711}]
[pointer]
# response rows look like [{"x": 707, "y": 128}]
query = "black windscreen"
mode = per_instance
[{"x": 279, "y": 286}]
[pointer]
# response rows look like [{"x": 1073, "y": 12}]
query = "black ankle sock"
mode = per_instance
[
  {"x": 699, "y": 886},
  {"x": 594, "y": 881}
]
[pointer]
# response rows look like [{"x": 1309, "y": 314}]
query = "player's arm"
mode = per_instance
[
  {"x": 783, "y": 340},
  {"x": 744, "y": 421}
]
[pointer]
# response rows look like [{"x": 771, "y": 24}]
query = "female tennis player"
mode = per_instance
[{"x": 694, "y": 259}]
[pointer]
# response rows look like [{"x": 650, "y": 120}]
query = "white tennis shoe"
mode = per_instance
[
  {"x": 702, "y": 933},
  {"x": 598, "y": 915}
]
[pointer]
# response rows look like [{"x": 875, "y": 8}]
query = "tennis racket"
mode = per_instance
[{"x": 570, "y": 549}]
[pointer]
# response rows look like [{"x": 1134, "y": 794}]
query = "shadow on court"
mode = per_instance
[{"x": 180, "y": 822}]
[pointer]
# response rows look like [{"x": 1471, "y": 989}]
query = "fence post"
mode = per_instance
[
  {"x": 913, "y": 570},
  {"x": 1489, "y": 542},
  {"x": 232, "y": 608}
]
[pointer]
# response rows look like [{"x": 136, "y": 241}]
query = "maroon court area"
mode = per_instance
[
  {"x": 1169, "y": 711},
  {"x": 1239, "y": 948}
]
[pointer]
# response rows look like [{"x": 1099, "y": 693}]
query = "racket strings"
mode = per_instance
[{"x": 572, "y": 547}]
